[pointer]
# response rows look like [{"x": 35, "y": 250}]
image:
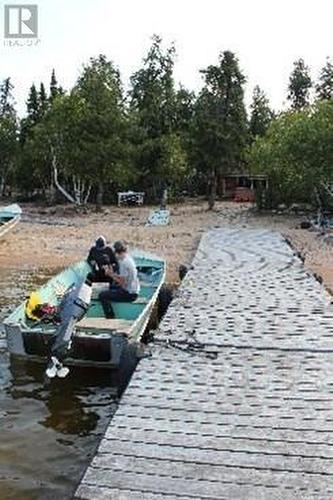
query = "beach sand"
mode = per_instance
[{"x": 51, "y": 238}]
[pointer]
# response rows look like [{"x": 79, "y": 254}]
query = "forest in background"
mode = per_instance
[{"x": 87, "y": 143}]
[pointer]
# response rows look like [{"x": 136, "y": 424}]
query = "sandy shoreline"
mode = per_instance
[{"x": 55, "y": 237}]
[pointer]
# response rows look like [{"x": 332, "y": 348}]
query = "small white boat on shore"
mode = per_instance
[{"x": 9, "y": 217}]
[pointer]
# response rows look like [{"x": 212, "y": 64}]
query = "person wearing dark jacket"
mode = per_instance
[{"x": 101, "y": 255}]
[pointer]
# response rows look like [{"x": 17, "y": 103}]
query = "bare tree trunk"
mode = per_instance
[
  {"x": 327, "y": 188},
  {"x": 85, "y": 201},
  {"x": 100, "y": 194},
  {"x": 2, "y": 185},
  {"x": 51, "y": 190},
  {"x": 81, "y": 191},
  {"x": 164, "y": 198},
  {"x": 77, "y": 189},
  {"x": 212, "y": 190},
  {"x": 58, "y": 185}
]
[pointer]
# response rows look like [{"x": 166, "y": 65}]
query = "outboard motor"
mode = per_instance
[{"x": 73, "y": 308}]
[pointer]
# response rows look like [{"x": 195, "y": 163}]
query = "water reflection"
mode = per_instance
[
  {"x": 48, "y": 429},
  {"x": 69, "y": 401}
]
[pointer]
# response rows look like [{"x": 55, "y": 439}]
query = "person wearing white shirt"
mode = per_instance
[{"x": 127, "y": 282}]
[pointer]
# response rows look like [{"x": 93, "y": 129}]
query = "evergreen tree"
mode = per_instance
[
  {"x": 324, "y": 88},
  {"x": 33, "y": 114},
  {"x": 8, "y": 134},
  {"x": 32, "y": 157},
  {"x": 152, "y": 93},
  {"x": 33, "y": 104},
  {"x": 184, "y": 103},
  {"x": 37, "y": 104},
  {"x": 220, "y": 122},
  {"x": 6, "y": 98},
  {"x": 42, "y": 98},
  {"x": 55, "y": 89},
  {"x": 296, "y": 155},
  {"x": 261, "y": 113},
  {"x": 53, "y": 83},
  {"x": 102, "y": 128},
  {"x": 300, "y": 84},
  {"x": 156, "y": 120}
]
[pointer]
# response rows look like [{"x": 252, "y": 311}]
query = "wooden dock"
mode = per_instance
[{"x": 236, "y": 401}]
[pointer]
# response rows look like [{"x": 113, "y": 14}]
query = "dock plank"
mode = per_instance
[
  {"x": 209, "y": 472},
  {"x": 227, "y": 442},
  {"x": 193, "y": 427},
  {"x": 208, "y": 490},
  {"x": 185, "y": 455}
]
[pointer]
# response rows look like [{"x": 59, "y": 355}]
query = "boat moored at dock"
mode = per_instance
[{"x": 96, "y": 341}]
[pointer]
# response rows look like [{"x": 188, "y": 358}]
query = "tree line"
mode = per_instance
[
  {"x": 85, "y": 144},
  {"x": 296, "y": 151}
]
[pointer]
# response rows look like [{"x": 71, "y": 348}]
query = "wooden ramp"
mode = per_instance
[{"x": 236, "y": 401}]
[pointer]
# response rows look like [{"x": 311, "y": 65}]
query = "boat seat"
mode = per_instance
[{"x": 119, "y": 325}]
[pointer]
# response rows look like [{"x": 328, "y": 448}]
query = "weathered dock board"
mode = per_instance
[{"x": 239, "y": 405}]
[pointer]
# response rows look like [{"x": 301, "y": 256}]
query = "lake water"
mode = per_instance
[{"x": 49, "y": 430}]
